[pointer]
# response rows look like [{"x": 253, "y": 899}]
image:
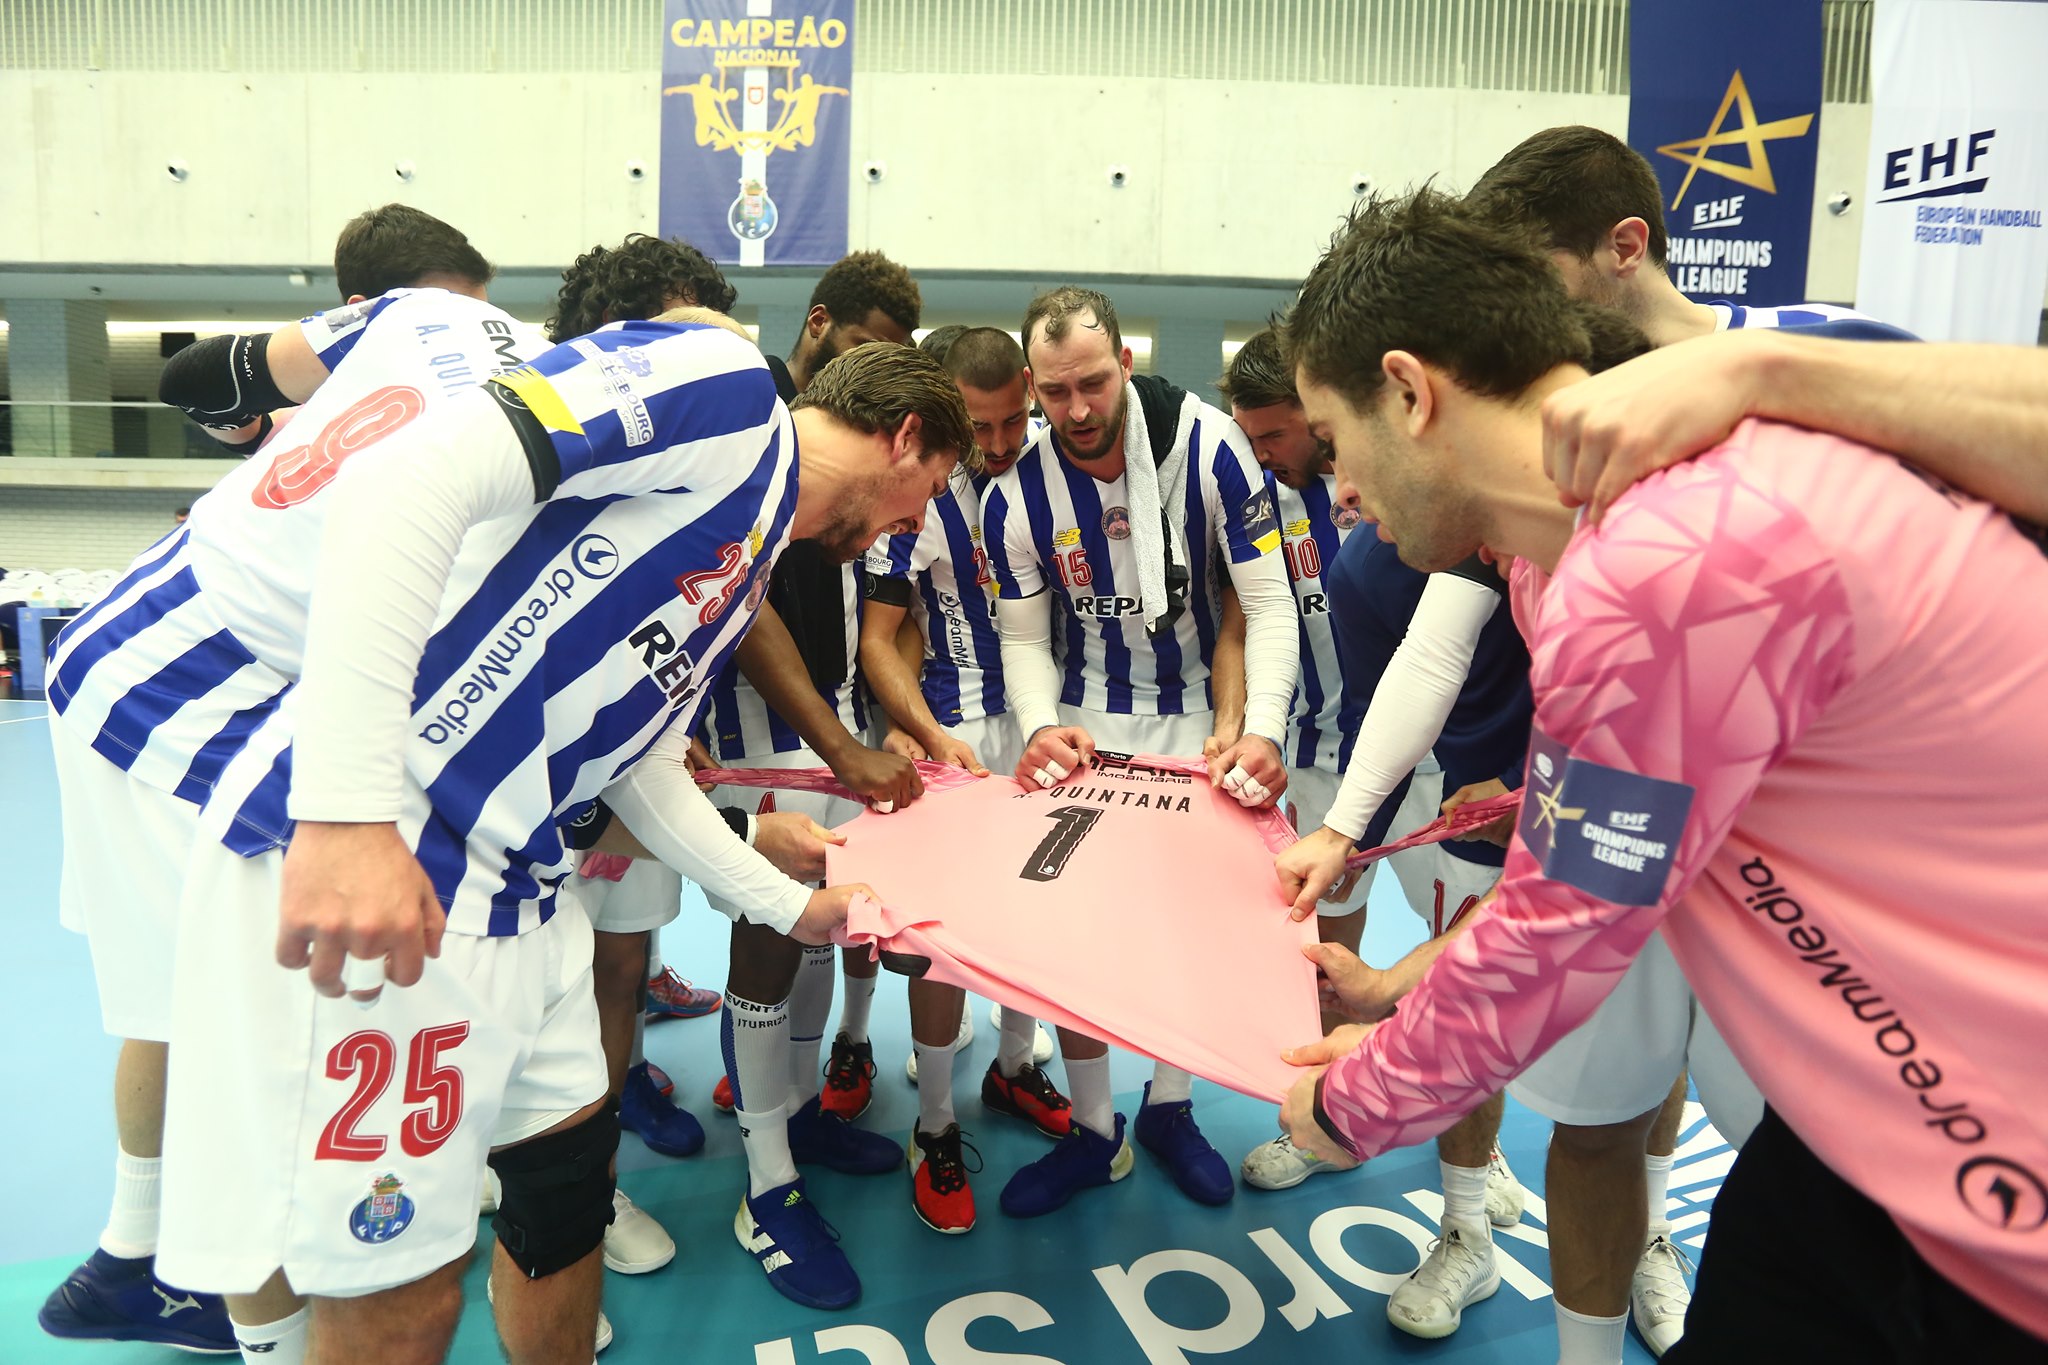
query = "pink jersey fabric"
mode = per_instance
[
  {"x": 1848, "y": 667},
  {"x": 1126, "y": 902}
]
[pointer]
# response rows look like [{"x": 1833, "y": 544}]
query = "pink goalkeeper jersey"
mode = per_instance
[{"x": 1792, "y": 704}]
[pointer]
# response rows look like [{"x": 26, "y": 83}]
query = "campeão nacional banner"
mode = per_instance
[
  {"x": 1725, "y": 103},
  {"x": 755, "y": 128},
  {"x": 1953, "y": 243}
]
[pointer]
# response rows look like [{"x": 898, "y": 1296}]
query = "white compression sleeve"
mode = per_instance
[
  {"x": 1414, "y": 697},
  {"x": 669, "y": 814},
  {"x": 1030, "y": 676},
  {"x": 396, "y": 516},
  {"x": 1272, "y": 645}
]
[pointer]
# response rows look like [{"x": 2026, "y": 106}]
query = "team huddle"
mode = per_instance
[{"x": 378, "y": 775}]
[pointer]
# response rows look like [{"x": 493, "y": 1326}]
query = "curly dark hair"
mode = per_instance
[
  {"x": 864, "y": 281},
  {"x": 639, "y": 278}
]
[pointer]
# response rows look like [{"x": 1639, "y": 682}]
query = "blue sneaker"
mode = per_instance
[
  {"x": 784, "y": 1231},
  {"x": 115, "y": 1298},
  {"x": 643, "y": 1109},
  {"x": 819, "y": 1137},
  {"x": 1168, "y": 1132},
  {"x": 1081, "y": 1160}
]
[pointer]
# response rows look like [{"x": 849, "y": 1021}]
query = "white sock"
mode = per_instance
[
  {"x": 853, "y": 1015},
  {"x": 653, "y": 953},
  {"x": 274, "y": 1343},
  {"x": 132, "y": 1222},
  {"x": 1657, "y": 1175},
  {"x": 810, "y": 1005},
  {"x": 1088, "y": 1090},
  {"x": 1465, "y": 1197},
  {"x": 1583, "y": 1340},
  {"x": 934, "y": 1088},
  {"x": 1170, "y": 1085},
  {"x": 1014, "y": 1047},
  {"x": 764, "y": 1134}
]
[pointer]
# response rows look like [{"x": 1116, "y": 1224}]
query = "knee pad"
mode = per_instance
[{"x": 557, "y": 1196}]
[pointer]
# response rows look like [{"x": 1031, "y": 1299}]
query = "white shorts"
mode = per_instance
[
  {"x": 829, "y": 811},
  {"x": 1440, "y": 886},
  {"x": 342, "y": 1143},
  {"x": 647, "y": 897},
  {"x": 125, "y": 846},
  {"x": 1622, "y": 1061},
  {"x": 994, "y": 740},
  {"x": 1169, "y": 736}
]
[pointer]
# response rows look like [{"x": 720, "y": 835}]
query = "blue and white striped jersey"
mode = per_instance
[
  {"x": 1729, "y": 317},
  {"x": 741, "y": 725},
  {"x": 1321, "y": 729},
  {"x": 952, "y": 599},
  {"x": 572, "y": 635},
  {"x": 174, "y": 667},
  {"x": 1047, "y": 523}
]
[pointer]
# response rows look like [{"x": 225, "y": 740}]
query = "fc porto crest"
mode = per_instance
[
  {"x": 1116, "y": 523},
  {"x": 1344, "y": 518},
  {"x": 752, "y": 215},
  {"x": 387, "y": 1212}
]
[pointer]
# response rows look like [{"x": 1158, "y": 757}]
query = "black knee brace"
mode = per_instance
[{"x": 557, "y": 1196}]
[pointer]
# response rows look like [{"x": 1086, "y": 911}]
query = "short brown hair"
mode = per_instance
[
  {"x": 1057, "y": 308},
  {"x": 635, "y": 280},
  {"x": 985, "y": 358},
  {"x": 1420, "y": 273},
  {"x": 873, "y": 388},
  {"x": 864, "y": 281},
  {"x": 1258, "y": 376},
  {"x": 939, "y": 340},
  {"x": 397, "y": 246},
  {"x": 1570, "y": 186}
]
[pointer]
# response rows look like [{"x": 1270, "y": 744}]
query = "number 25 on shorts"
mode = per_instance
[{"x": 372, "y": 1058}]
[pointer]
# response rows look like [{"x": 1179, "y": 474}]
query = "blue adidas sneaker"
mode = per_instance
[
  {"x": 819, "y": 1137},
  {"x": 784, "y": 1231},
  {"x": 1081, "y": 1160},
  {"x": 663, "y": 1126},
  {"x": 1168, "y": 1132},
  {"x": 116, "y": 1298}
]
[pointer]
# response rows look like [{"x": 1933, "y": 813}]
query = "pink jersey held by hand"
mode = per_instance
[
  {"x": 1127, "y": 902},
  {"x": 1796, "y": 696}
]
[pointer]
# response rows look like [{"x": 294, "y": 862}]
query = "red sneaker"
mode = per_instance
[
  {"x": 1030, "y": 1096},
  {"x": 721, "y": 1095},
  {"x": 671, "y": 997},
  {"x": 849, "y": 1079},
  {"x": 938, "y": 1180},
  {"x": 662, "y": 1081}
]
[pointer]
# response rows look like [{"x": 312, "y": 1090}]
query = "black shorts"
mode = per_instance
[{"x": 1799, "y": 1266}]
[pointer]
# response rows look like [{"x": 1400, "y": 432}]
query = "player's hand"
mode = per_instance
[
  {"x": 1603, "y": 435},
  {"x": 356, "y": 890},
  {"x": 1501, "y": 831},
  {"x": 698, "y": 759},
  {"x": 905, "y": 744},
  {"x": 795, "y": 843},
  {"x": 1298, "y": 1112},
  {"x": 1346, "y": 986},
  {"x": 1250, "y": 770},
  {"x": 827, "y": 912},
  {"x": 958, "y": 753},
  {"x": 886, "y": 781},
  {"x": 1055, "y": 752},
  {"x": 1310, "y": 870}
]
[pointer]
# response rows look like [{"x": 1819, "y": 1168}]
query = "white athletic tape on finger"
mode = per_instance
[
  {"x": 1252, "y": 793},
  {"x": 363, "y": 979},
  {"x": 1043, "y": 777},
  {"x": 885, "y": 807},
  {"x": 1235, "y": 780}
]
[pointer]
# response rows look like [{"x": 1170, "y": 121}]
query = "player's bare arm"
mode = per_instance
[
  {"x": 768, "y": 659},
  {"x": 891, "y": 655}
]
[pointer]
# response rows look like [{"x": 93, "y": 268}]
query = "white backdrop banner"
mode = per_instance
[{"x": 1953, "y": 243}]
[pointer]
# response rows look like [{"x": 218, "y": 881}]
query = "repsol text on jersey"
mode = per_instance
[
  {"x": 1105, "y": 606},
  {"x": 674, "y": 671}
]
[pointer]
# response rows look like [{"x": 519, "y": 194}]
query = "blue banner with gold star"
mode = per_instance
[
  {"x": 756, "y": 130},
  {"x": 1725, "y": 102}
]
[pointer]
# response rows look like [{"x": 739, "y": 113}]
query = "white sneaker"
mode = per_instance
[
  {"x": 960, "y": 1039},
  {"x": 635, "y": 1244},
  {"x": 1504, "y": 1194},
  {"x": 604, "y": 1324},
  {"x": 1041, "y": 1041},
  {"x": 1280, "y": 1165},
  {"x": 1658, "y": 1295},
  {"x": 1455, "y": 1275},
  {"x": 487, "y": 1202}
]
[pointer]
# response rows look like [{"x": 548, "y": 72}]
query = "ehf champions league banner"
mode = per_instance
[
  {"x": 1953, "y": 243},
  {"x": 755, "y": 128},
  {"x": 1724, "y": 100}
]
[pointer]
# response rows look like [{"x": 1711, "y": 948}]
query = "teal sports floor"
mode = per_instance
[{"x": 1132, "y": 1273}]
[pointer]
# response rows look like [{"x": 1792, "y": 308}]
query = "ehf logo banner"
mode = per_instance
[
  {"x": 755, "y": 128},
  {"x": 1953, "y": 243},
  {"x": 1725, "y": 103}
]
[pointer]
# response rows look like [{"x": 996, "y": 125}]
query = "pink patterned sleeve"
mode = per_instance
[{"x": 1676, "y": 656}]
